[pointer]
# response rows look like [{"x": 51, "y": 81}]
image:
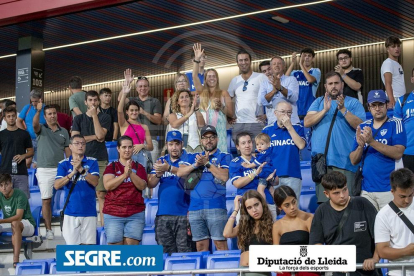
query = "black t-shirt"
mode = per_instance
[
  {"x": 356, "y": 75},
  {"x": 358, "y": 229},
  {"x": 84, "y": 124},
  {"x": 112, "y": 112},
  {"x": 11, "y": 144}
]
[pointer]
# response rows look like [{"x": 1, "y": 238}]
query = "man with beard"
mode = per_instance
[
  {"x": 307, "y": 77},
  {"x": 245, "y": 89},
  {"x": 173, "y": 201},
  {"x": 15, "y": 146},
  {"x": 207, "y": 211},
  {"x": 381, "y": 142},
  {"x": 352, "y": 77},
  {"x": 278, "y": 88},
  {"x": 350, "y": 113}
]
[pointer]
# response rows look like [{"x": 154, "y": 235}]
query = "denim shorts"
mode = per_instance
[
  {"x": 208, "y": 223},
  {"x": 118, "y": 228}
]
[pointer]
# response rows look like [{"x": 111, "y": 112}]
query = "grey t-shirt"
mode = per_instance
[
  {"x": 84, "y": 124},
  {"x": 51, "y": 146},
  {"x": 77, "y": 100},
  {"x": 152, "y": 106}
]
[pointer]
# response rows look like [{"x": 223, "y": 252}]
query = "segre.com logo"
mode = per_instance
[{"x": 109, "y": 258}]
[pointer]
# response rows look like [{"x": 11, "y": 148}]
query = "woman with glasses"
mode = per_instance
[
  {"x": 132, "y": 127},
  {"x": 187, "y": 119},
  {"x": 215, "y": 103}
]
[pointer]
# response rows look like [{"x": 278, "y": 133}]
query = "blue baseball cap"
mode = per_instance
[
  {"x": 377, "y": 96},
  {"x": 174, "y": 135}
]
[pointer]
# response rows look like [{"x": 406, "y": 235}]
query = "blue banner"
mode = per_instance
[{"x": 109, "y": 258}]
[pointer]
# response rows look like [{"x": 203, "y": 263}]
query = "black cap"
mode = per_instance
[{"x": 208, "y": 128}]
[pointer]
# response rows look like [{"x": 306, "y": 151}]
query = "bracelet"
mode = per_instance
[
  {"x": 236, "y": 211},
  {"x": 197, "y": 109},
  {"x": 196, "y": 61},
  {"x": 67, "y": 176},
  {"x": 233, "y": 217},
  {"x": 194, "y": 166},
  {"x": 157, "y": 176},
  {"x": 346, "y": 111},
  {"x": 254, "y": 172},
  {"x": 249, "y": 175}
]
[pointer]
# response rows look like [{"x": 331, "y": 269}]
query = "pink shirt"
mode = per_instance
[{"x": 137, "y": 133}]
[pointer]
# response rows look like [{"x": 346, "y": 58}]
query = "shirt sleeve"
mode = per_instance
[
  {"x": 264, "y": 89},
  {"x": 94, "y": 169},
  {"x": 72, "y": 103},
  {"x": 157, "y": 107},
  {"x": 110, "y": 169},
  {"x": 370, "y": 213},
  {"x": 234, "y": 171},
  {"x": 141, "y": 173},
  {"x": 22, "y": 114},
  {"x": 382, "y": 229},
  {"x": 300, "y": 131},
  {"x": 61, "y": 170},
  {"x": 293, "y": 90},
  {"x": 262, "y": 156},
  {"x": 386, "y": 67},
  {"x": 359, "y": 77},
  {"x": 21, "y": 202},
  {"x": 316, "y": 232},
  {"x": 316, "y": 73},
  {"x": 400, "y": 137},
  {"x": 357, "y": 109},
  {"x": 114, "y": 116},
  {"x": 76, "y": 123},
  {"x": 398, "y": 112},
  {"x": 314, "y": 106},
  {"x": 67, "y": 138},
  {"x": 190, "y": 158},
  {"x": 225, "y": 161},
  {"x": 232, "y": 88}
]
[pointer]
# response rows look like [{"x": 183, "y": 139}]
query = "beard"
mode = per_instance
[
  {"x": 210, "y": 147},
  {"x": 334, "y": 97}
]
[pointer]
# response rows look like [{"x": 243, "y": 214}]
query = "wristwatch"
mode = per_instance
[
  {"x": 208, "y": 165},
  {"x": 83, "y": 172}
]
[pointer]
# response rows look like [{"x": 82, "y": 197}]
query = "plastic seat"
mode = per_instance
[
  {"x": 183, "y": 263},
  {"x": 99, "y": 231},
  {"x": 231, "y": 147},
  {"x": 148, "y": 237},
  {"x": 32, "y": 178},
  {"x": 308, "y": 186},
  {"x": 52, "y": 270},
  {"x": 35, "y": 261},
  {"x": 308, "y": 203},
  {"x": 28, "y": 268},
  {"x": 229, "y": 205},
  {"x": 102, "y": 238},
  {"x": 220, "y": 262},
  {"x": 112, "y": 151},
  {"x": 58, "y": 202},
  {"x": 203, "y": 255},
  {"x": 155, "y": 192},
  {"x": 231, "y": 190},
  {"x": 231, "y": 244},
  {"x": 35, "y": 199},
  {"x": 151, "y": 211}
]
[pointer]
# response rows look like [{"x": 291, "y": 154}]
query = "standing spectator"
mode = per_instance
[
  {"x": 350, "y": 114},
  {"x": 105, "y": 95},
  {"x": 93, "y": 125},
  {"x": 124, "y": 209},
  {"x": 17, "y": 217},
  {"x": 53, "y": 145},
  {"x": 6, "y": 104},
  {"x": 200, "y": 72},
  {"x": 392, "y": 73},
  {"x": 2, "y": 107},
  {"x": 79, "y": 225},
  {"x": 352, "y": 77},
  {"x": 150, "y": 109},
  {"x": 381, "y": 142},
  {"x": 63, "y": 119},
  {"x": 307, "y": 77},
  {"x": 393, "y": 237},
  {"x": 77, "y": 99},
  {"x": 171, "y": 220},
  {"x": 404, "y": 110},
  {"x": 215, "y": 103},
  {"x": 207, "y": 211},
  {"x": 287, "y": 139},
  {"x": 358, "y": 217},
  {"x": 278, "y": 87},
  {"x": 25, "y": 121},
  {"x": 181, "y": 82},
  {"x": 187, "y": 119},
  {"x": 245, "y": 89},
  {"x": 265, "y": 68},
  {"x": 15, "y": 147}
]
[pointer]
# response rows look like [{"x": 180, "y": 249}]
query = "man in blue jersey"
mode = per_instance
[
  {"x": 307, "y": 77},
  {"x": 350, "y": 114},
  {"x": 352, "y": 77},
  {"x": 404, "y": 110},
  {"x": 79, "y": 225},
  {"x": 173, "y": 201},
  {"x": 381, "y": 142},
  {"x": 201, "y": 65},
  {"x": 287, "y": 140},
  {"x": 207, "y": 211},
  {"x": 276, "y": 88}
]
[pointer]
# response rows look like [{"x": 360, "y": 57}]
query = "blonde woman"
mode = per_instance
[
  {"x": 215, "y": 103},
  {"x": 181, "y": 82}
]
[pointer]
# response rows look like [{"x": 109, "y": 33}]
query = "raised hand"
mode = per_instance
[
  {"x": 294, "y": 57},
  {"x": 127, "y": 168},
  {"x": 367, "y": 135},
  {"x": 92, "y": 110},
  {"x": 198, "y": 52},
  {"x": 327, "y": 102},
  {"x": 358, "y": 136},
  {"x": 126, "y": 87},
  {"x": 340, "y": 101},
  {"x": 285, "y": 119},
  {"x": 129, "y": 78},
  {"x": 237, "y": 202},
  {"x": 260, "y": 168},
  {"x": 39, "y": 105},
  {"x": 339, "y": 70}
]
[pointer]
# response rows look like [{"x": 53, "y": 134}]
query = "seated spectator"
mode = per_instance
[
  {"x": 379, "y": 145},
  {"x": 254, "y": 227},
  {"x": 173, "y": 201},
  {"x": 25, "y": 121},
  {"x": 17, "y": 217},
  {"x": 79, "y": 225},
  {"x": 294, "y": 227},
  {"x": 64, "y": 120},
  {"x": 124, "y": 208},
  {"x": 358, "y": 226},
  {"x": 187, "y": 119},
  {"x": 215, "y": 103},
  {"x": 105, "y": 96},
  {"x": 393, "y": 237},
  {"x": 132, "y": 127}
]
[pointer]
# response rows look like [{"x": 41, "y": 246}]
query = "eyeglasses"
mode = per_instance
[
  {"x": 343, "y": 58},
  {"x": 285, "y": 112},
  {"x": 377, "y": 105},
  {"x": 210, "y": 138},
  {"x": 245, "y": 85},
  {"x": 181, "y": 81},
  {"x": 79, "y": 144}
]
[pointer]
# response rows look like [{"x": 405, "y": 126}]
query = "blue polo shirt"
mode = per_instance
[
  {"x": 285, "y": 153},
  {"x": 237, "y": 170},
  {"x": 27, "y": 114},
  {"x": 207, "y": 194},
  {"x": 406, "y": 114},
  {"x": 191, "y": 82},
  {"x": 343, "y": 134},
  {"x": 172, "y": 198},
  {"x": 82, "y": 202},
  {"x": 307, "y": 91},
  {"x": 378, "y": 167}
]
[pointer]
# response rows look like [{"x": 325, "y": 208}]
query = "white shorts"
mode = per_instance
[
  {"x": 46, "y": 180},
  {"x": 79, "y": 230},
  {"x": 28, "y": 228}
]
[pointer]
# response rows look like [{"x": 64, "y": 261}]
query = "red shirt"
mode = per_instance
[
  {"x": 126, "y": 200},
  {"x": 64, "y": 120}
]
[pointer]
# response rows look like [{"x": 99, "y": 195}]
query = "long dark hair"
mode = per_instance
[
  {"x": 247, "y": 223},
  {"x": 281, "y": 193}
]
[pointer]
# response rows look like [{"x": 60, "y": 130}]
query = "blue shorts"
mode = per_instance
[
  {"x": 208, "y": 223},
  {"x": 118, "y": 228}
]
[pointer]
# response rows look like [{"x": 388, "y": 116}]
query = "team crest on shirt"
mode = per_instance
[
  {"x": 7, "y": 209},
  {"x": 214, "y": 161},
  {"x": 383, "y": 132}
]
